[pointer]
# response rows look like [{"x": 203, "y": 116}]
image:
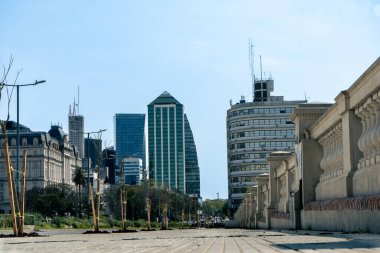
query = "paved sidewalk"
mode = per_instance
[{"x": 193, "y": 240}]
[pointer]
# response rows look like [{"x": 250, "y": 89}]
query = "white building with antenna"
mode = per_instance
[
  {"x": 254, "y": 130},
  {"x": 76, "y": 128}
]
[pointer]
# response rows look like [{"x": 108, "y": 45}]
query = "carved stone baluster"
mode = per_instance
[
  {"x": 334, "y": 151},
  {"x": 360, "y": 114},
  {"x": 376, "y": 131},
  {"x": 365, "y": 132},
  {"x": 372, "y": 127},
  {"x": 340, "y": 149},
  {"x": 328, "y": 152},
  {"x": 322, "y": 164}
]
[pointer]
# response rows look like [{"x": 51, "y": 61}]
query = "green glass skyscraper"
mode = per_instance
[
  {"x": 191, "y": 162},
  {"x": 166, "y": 139}
]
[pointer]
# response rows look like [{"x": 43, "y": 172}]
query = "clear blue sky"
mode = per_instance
[{"x": 125, "y": 53}]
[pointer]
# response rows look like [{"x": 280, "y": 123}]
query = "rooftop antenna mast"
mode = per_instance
[
  {"x": 261, "y": 70},
  {"x": 78, "y": 100},
  {"x": 251, "y": 59},
  {"x": 74, "y": 106},
  {"x": 251, "y": 63}
]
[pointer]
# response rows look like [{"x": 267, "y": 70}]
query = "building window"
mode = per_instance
[
  {"x": 35, "y": 141},
  {"x": 24, "y": 142},
  {"x": 13, "y": 142}
]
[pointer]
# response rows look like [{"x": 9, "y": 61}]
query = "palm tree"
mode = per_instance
[{"x": 79, "y": 180}]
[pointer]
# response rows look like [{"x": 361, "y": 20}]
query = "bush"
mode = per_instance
[
  {"x": 177, "y": 224},
  {"x": 108, "y": 222},
  {"x": 81, "y": 224},
  {"x": 58, "y": 222},
  {"x": 155, "y": 224},
  {"x": 29, "y": 219},
  {"x": 129, "y": 223},
  {"x": 138, "y": 223},
  {"x": 6, "y": 221}
]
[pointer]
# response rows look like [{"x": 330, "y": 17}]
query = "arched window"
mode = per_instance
[
  {"x": 24, "y": 142},
  {"x": 13, "y": 142}
]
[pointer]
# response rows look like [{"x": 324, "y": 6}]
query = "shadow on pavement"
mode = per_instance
[{"x": 326, "y": 245}]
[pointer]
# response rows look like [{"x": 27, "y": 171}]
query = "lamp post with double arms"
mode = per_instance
[
  {"x": 18, "y": 128},
  {"x": 88, "y": 164}
]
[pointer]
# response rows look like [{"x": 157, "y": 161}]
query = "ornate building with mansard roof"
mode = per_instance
[{"x": 51, "y": 159}]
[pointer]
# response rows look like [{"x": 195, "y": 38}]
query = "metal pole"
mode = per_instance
[
  {"x": 18, "y": 145},
  {"x": 88, "y": 174},
  {"x": 18, "y": 182}
]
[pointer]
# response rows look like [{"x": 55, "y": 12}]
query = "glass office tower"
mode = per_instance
[
  {"x": 166, "y": 142},
  {"x": 191, "y": 162},
  {"x": 129, "y": 136}
]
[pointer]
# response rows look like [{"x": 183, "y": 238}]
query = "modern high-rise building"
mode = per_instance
[
  {"x": 133, "y": 172},
  {"x": 129, "y": 136},
  {"x": 166, "y": 135},
  {"x": 109, "y": 164},
  {"x": 254, "y": 130},
  {"x": 76, "y": 130},
  {"x": 191, "y": 162},
  {"x": 91, "y": 147}
]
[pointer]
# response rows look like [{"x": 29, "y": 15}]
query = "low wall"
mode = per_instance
[
  {"x": 367, "y": 180},
  {"x": 346, "y": 221},
  {"x": 358, "y": 214},
  {"x": 281, "y": 221},
  {"x": 231, "y": 224},
  {"x": 331, "y": 189},
  {"x": 261, "y": 224}
]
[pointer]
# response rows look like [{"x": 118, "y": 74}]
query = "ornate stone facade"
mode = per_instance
[{"x": 50, "y": 159}]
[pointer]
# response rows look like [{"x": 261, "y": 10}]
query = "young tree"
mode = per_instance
[
  {"x": 17, "y": 213},
  {"x": 79, "y": 180}
]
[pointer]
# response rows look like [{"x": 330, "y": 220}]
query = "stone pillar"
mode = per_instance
[
  {"x": 311, "y": 158},
  {"x": 253, "y": 191},
  {"x": 352, "y": 130},
  {"x": 275, "y": 159},
  {"x": 262, "y": 199},
  {"x": 295, "y": 209}
]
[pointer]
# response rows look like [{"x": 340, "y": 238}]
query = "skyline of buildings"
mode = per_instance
[
  {"x": 176, "y": 168},
  {"x": 254, "y": 130}
]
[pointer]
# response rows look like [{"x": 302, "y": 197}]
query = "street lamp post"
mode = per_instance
[
  {"x": 88, "y": 164},
  {"x": 18, "y": 129}
]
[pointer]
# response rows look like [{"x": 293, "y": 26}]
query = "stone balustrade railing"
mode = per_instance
[
  {"x": 332, "y": 160},
  {"x": 369, "y": 141}
]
